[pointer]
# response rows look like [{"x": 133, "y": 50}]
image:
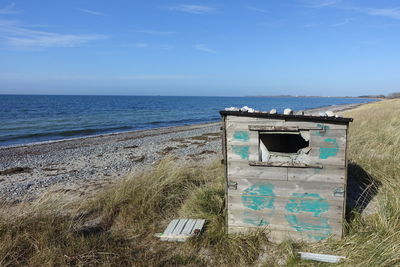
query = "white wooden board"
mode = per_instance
[{"x": 181, "y": 229}]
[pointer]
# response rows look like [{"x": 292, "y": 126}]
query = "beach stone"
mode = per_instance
[
  {"x": 288, "y": 111},
  {"x": 329, "y": 113}
]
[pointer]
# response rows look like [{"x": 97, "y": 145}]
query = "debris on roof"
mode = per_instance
[{"x": 287, "y": 114}]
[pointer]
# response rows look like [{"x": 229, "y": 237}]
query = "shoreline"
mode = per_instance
[
  {"x": 313, "y": 111},
  {"x": 166, "y": 128},
  {"x": 83, "y": 165}
]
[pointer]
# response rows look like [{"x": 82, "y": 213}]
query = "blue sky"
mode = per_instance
[{"x": 221, "y": 47}]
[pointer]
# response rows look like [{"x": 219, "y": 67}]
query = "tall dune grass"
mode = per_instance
[
  {"x": 373, "y": 239},
  {"x": 117, "y": 226}
]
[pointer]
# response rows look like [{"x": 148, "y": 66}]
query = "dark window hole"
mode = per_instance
[{"x": 284, "y": 143}]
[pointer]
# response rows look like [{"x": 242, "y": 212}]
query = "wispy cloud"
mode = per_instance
[
  {"x": 257, "y": 9},
  {"x": 204, "y": 48},
  {"x": 343, "y": 22},
  {"x": 310, "y": 25},
  {"x": 80, "y": 77},
  {"x": 20, "y": 36},
  {"x": 193, "y": 9},
  {"x": 156, "y": 77},
  {"x": 141, "y": 45},
  {"x": 8, "y": 9},
  {"x": 385, "y": 12},
  {"x": 154, "y": 46},
  {"x": 320, "y": 3},
  {"x": 393, "y": 12},
  {"x": 369, "y": 42},
  {"x": 152, "y": 32},
  {"x": 91, "y": 12},
  {"x": 274, "y": 24}
]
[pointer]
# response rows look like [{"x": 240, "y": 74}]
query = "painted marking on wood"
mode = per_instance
[
  {"x": 251, "y": 196},
  {"x": 323, "y": 131},
  {"x": 304, "y": 202},
  {"x": 242, "y": 151},
  {"x": 254, "y": 221},
  {"x": 331, "y": 151},
  {"x": 317, "y": 230},
  {"x": 314, "y": 203},
  {"x": 241, "y": 136}
]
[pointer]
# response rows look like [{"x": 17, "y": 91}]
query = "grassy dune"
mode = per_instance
[{"x": 117, "y": 227}]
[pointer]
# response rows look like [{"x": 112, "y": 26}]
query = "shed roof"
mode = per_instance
[{"x": 337, "y": 120}]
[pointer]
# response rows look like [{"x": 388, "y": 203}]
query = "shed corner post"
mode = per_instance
[{"x": 225, "y": 161}]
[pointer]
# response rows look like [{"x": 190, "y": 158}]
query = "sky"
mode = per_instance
[{"x": 203, "y": 47}]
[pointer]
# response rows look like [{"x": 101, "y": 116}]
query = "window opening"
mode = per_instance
[{"x": 284, "y": 144}]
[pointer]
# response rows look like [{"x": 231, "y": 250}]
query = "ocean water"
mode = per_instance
[{"x": 27, "y": 118}]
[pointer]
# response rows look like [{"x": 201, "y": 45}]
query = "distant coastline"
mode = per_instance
[{"x": 301, "y": 96}]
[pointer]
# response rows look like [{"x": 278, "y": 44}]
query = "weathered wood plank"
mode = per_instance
[
  {"x": 312, "y": 207},
  {"x": 288, "y": 189},
  {"x": 276, "y": 235},
  {"x": 278, "y": 217},
  {"x": 188, "y": 227},
  {"x": 242, "y": 152},
  {"x": 171, "y": 226},
  {"x": 238, "y": 119},
  {"x": 242, "y": 170},
  {"x": 286, "y": 222},
  {"x": 321, "y": 257},
  {"x": 238, "y": 169},
  {"x": 179, "y": 227},
  {"x": 331, "y": 156},
  {"x": 199, "y": 225},
  {"x": 328, "y": 155},
  {"x": 328, "y": 174},
  {"x": 234, "y": 134},
  {"x": 290, "y": 164},
  {"x": 244, "y": 122},
  {"x": 265, "y": 128}
]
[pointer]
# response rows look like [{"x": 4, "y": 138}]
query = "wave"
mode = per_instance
[
  {"x": 174, "y": 122},
  {"x": 67, "y": 133}
]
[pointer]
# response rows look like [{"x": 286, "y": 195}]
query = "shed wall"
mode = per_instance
[{"x": 301, "y": 203}]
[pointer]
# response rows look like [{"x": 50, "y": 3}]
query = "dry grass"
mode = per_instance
[
  {"x": 117, "y": 227},
  {"x": 373, "y": 239}
]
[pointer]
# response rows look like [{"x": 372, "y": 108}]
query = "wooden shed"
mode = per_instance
[{"x": 287, "y": 173}]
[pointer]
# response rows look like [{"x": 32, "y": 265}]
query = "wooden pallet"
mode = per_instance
[{"x": 181, "y": 229}]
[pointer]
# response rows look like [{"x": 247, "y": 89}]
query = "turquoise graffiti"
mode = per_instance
[
  {"x": 304, "y": 202},
  {"x": 331, "y": 150},
  {"x": 254, "y": 220},
  {"x": 242, "y": 151},
  {"x": 323, "y": 131},
  {"x": 318, "y": 228},
  {"x": 259, "y": 196},
  {"x": 241, "y": 135}
]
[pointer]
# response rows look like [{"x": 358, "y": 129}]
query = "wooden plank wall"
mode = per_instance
[{"x": 300, "y": 203}]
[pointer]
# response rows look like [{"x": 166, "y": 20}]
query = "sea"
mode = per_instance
[{"x": 38, "y": 118}]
